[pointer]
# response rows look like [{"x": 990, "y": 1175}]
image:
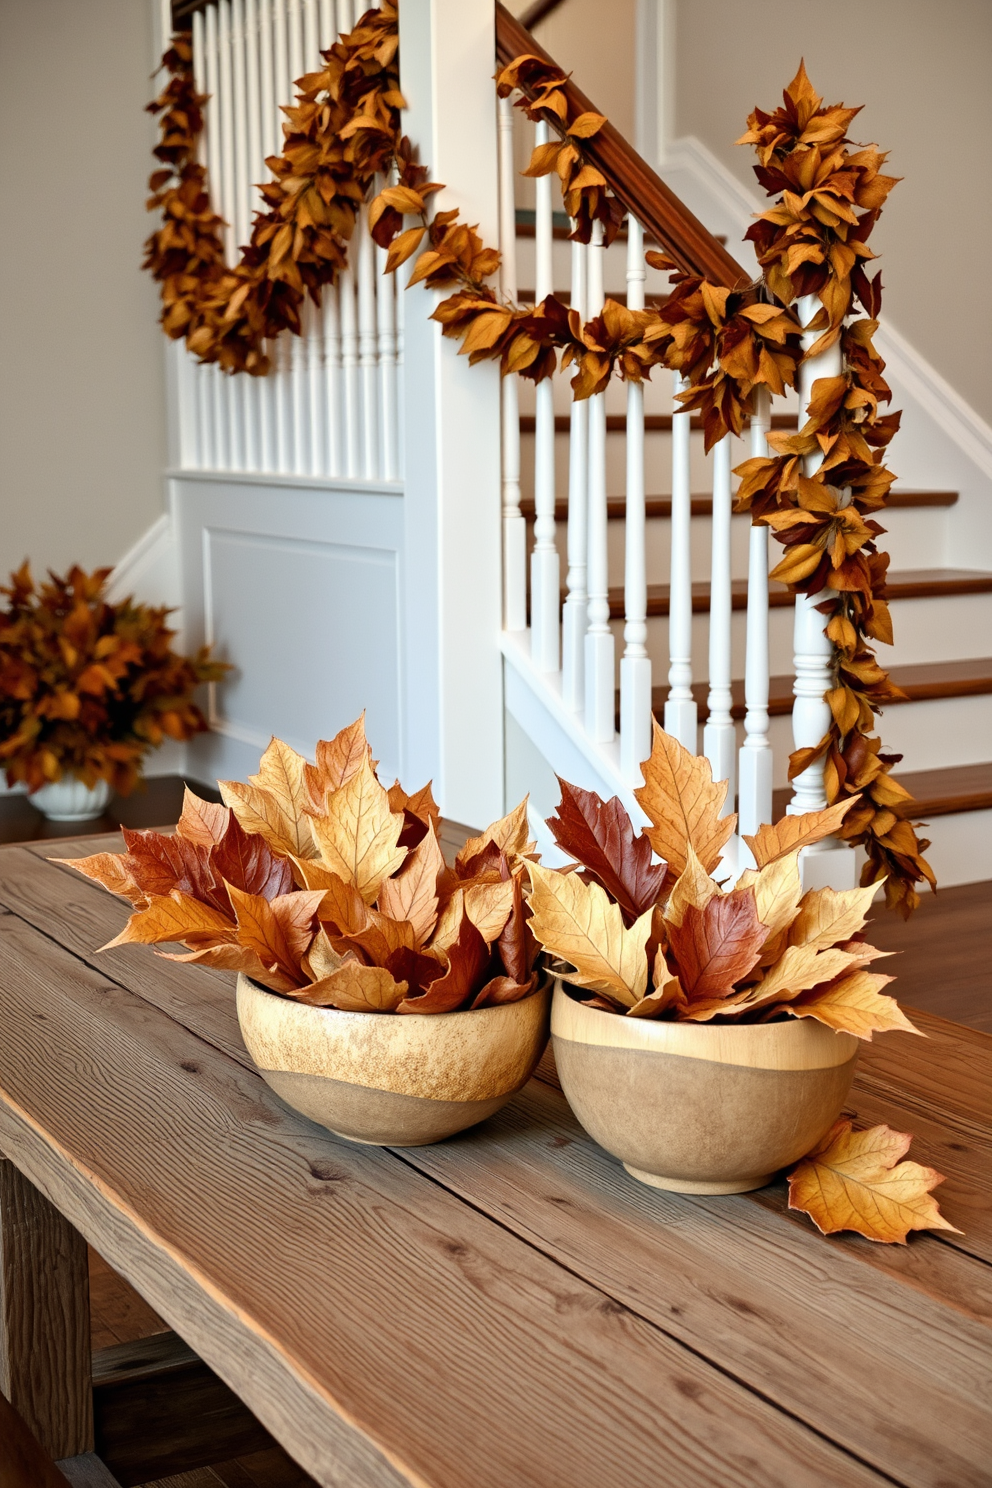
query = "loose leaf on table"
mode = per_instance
[
  {"x": 601, "y": 836},
  {"x": 355, "y": 988},
  {"x": 579, "y": 923},
  {"x": 112, "y": 871},
  {"x": 792, "y": 832},
  {"x": 853, "y": 1004},
  {"x": 358, "y": 836},
  {"x": 171, "y": 917},
  {"x": 683, "y": 803},
  {"x": 412, "y": 894},
  {"x": 337, "y": 760},
  {"x": 717, "y": 946},
  {"x": 467, "y": 959},
  {"x": 856, "y": 1181},
  {"x": 829, "y": 916}
]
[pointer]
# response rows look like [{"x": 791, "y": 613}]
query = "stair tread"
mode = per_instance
[
  {"x": 920, "y": 681},
  {"x": 909, "y": 583},
  {"x": 935, "y": 792},
  {"x": 702, "y": 506}
]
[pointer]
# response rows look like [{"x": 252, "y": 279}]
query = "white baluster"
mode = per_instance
[
  {"x": 828, "y": 863},
  {"x": 680, "y": 706},
  {"x": 241, "y": 63},
  {"x": 201, "y": 377},
  {"x": 719, "y": 734},
  {"x": 279, "y": 374},
  {"x": 755, "y": 758},
  {"x": 514, "y": 526},
  {"x": 233, "y": 390},
  {"x": 574, "y": 617},
  {"x": 267, "y": 34},
  {"x": 388, "y": 389},
  {"x": 299, "y": 349},
  {"x": 600, "y": 682},
  {"x": 328, "y": 26},
  {"x": 258, "y": 433},
  {"x": 349, "y": 372},
  {"x": 345, "y": 16},
  {"x": 545, "y": 575},
  {"x": 313, "y": 321},
  {"x": 266, "y": 132},
  {"x": 215, "y": 176},
  {"x": 635, "y": 666},
  {"x": 363, "y": 246}
]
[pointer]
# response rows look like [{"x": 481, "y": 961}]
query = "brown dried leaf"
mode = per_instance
[
  {"x": 357, "y": 838},
  {"x": 683, "y": 804},
  {"x": 792, "y": 832},
  {"x": 579, "y": 923}
]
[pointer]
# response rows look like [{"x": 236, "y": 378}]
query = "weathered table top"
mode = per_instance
[{"x": 506, "y": 1309}]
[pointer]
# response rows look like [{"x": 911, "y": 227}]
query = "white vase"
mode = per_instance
[{"x": 70, "y": 800}]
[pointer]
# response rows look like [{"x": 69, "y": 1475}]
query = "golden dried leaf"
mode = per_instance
[
  {"x": 777, "y": 892},
  {"x": 354, "y": 988},
  {"x": 337, "y": 760},
  {"x": 855, "y": 1181},
  {"x": 412, "y": 894},
  {"x": 172, "y": 917},
  {"x": 683, "y": 803},
  {"x": 203, "y": 822},
  {"x": 577, "y": 922},
  {"x": 798, "y": 969},
  {"x": 110, "y": 870},
  {"x": 511, "y": 834},
  {"x": 281, "y": 773},
  {"x": 829, "y": 916},
  {"x": 489, "y": 906},
  {"x": 357, "y": 838},
  {"x": 259, "y": 811},
  {"x": 853, "y": 1005},
  {"x": 794, "y": 832},
  {"x": 693, "y": 886}
]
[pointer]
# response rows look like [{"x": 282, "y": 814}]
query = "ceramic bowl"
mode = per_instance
[
  {"x": 697, "y": 1107},
  {"x": 388, "y": 1080}
]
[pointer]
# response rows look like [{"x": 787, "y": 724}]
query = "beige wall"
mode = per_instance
[
  {"x": 922, "y": 70},
  {"x": 594, "y": 39},
  {"x": 82, "y": 411}
]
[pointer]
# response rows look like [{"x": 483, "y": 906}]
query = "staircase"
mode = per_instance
[{"x": 942, "y": 614}]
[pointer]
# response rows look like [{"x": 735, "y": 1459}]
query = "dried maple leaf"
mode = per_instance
[
  {"x": 171, "y": 917},
  {"x": 693, "y": 886},
  {"x": 467, "y": 959},
  {"x": 797, "y": 970},
  {"x": 852, "y": 1004},
  {"x": 358, "y": 836},
  {"x": 579, "y": 923},
  {"x": 279, "y": 931},
  {"x": 792, "y": 832},
  {"x": 828, "y": 916},
  {"x": 683, "y": 804},
  {"x": 601, "y": 836},
  {"x": 855, "y": 1181},
  {"x": 412, "y": 893},
  {"x": 354, "y": 988},
  {"x": 281, "y": 774},
  {"x": 511, "y": 834},
  {"x": 716, "y": 946},
  {"x": 112, "y": 871},
  {"x": 259, "y": 812},
  {"x": 202, "y": 822},
  {"x": 777, "y": 893},
  {"x": 337, "y": 760}
]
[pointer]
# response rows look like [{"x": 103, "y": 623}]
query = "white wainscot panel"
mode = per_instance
[{"x": 299, "y": 588}]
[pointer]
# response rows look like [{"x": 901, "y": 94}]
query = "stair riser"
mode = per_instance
[
  {"x": 939, "y": 733},
  {"x": 915, "y": 539},
  {"x": 926, "y": 630}
]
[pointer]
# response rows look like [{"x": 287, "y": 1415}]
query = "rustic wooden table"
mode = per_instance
[{"x": 505, "y": 1309}]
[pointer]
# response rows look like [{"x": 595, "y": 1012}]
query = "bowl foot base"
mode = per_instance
[{"x": 694, "y": 1186}]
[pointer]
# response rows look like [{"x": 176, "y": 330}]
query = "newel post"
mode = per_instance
[
  {"x": 829, "y": 864},
  {"x": 453, "y": 723}
]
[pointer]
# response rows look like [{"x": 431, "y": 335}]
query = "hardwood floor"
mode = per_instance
[{"x": 945, "y": 954}]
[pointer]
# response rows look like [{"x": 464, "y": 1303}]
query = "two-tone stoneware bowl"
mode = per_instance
[
  {"x": 393, "y": 1081},
  {"x": 699, "y": 1108}
]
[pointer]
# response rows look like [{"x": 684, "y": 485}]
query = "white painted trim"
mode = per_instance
[
  {"x": 299, "y": 482},
  {"x": 152, "y": 547},
  {"x": 690, "y": 154}
]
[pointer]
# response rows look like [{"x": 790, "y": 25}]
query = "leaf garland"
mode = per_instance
[
  {"x": 724, "y": 342},
  {"x": 323, "y": 886}
]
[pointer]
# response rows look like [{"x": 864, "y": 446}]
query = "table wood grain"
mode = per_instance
[{"x": 506, "y": 1308}]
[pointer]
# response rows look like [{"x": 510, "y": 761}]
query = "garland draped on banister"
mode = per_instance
[{"x": 345, "y": 131}]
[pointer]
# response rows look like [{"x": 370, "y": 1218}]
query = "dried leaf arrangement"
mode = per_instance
[
  {"x": 724, "y": 342},
  {"x": 87, "y": 687},
  {"x": 321, "y": 884},
  {"x": 665, "y": 940}
]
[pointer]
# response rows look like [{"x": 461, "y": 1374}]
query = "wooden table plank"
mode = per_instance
[
  {"x": 897, "y": 1375},
  {"x": 385, "y": 1331}
]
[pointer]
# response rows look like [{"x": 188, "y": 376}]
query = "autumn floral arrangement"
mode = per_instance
[
  {"x": 665, "y": 940},
  {"x": 327, "y": 888},
  {"x": 88, "y": 687}
]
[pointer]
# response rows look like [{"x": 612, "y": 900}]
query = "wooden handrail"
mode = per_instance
[{"x": 630, "y": 178}]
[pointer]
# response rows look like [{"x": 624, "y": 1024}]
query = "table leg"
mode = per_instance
[{"x": 45, "y": 1360}]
